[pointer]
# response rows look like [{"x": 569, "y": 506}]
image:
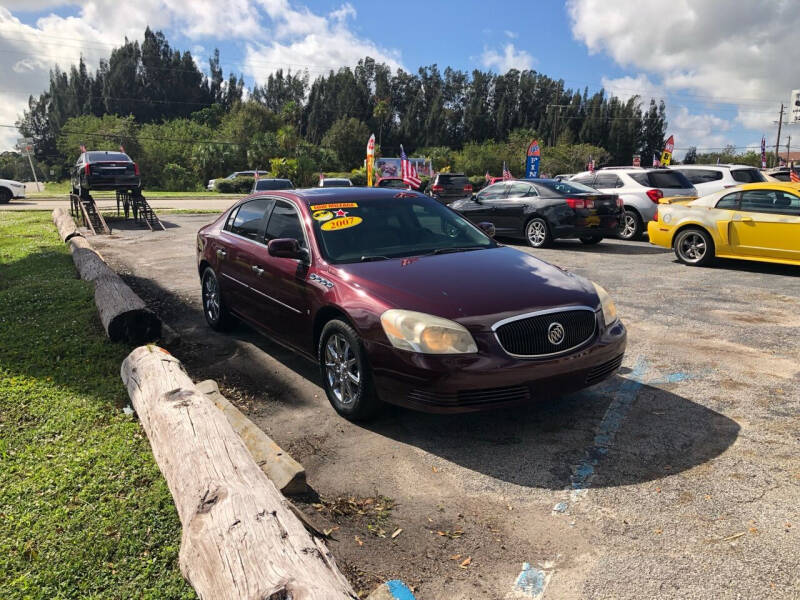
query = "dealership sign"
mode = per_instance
[{"x": 532, "y": 160}]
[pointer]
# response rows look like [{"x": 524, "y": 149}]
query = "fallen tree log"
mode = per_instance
[
  {"x": 124, "y": 315},
  {"x": 239, "y": 540},
  {"x": 65, "y": 225}
]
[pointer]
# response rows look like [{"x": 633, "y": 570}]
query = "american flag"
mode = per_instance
[
  {"x": 83, "y": 148},
  {"x": 506, "y": 173},
  {"x": 487, "y": 177},
  {"x": 255, "y": 174},
  {"x": 656, "y": 162},
  {"x": 409, "y": 173},
  {"x": 794, "y": 177}
]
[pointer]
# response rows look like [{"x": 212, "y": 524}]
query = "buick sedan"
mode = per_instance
[{"x": 402, "y": 300}]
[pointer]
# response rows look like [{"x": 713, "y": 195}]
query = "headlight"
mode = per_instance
[
  {"x": 418, "y": 332},
  {"x": 607, "y": 304}
]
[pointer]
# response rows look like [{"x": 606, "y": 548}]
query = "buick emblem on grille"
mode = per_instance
[{"x": 555, "y": 333}]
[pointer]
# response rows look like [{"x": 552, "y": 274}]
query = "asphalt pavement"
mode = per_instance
[{"x": 677, "y": 478}]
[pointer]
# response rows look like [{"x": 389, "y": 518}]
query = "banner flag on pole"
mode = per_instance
[
  {"x": 763, "y": 152},
  {"x": 408, "y": 171},
  {"x": 666, "y": 155},
  {"x": 370, "y": 158},
  {"x": 532, "y": 160}
]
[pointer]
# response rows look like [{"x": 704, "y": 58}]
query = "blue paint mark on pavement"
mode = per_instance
[
  {"x": 399, "y": 590},
  {"x": 532, "y": 581}
]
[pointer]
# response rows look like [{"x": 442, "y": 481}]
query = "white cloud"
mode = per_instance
[
  {"x": 305, "y": 40},
  {"x": 511, "y": 34},
  {"x": 727, "y": 56},
  {"x": 509, "y": 58}
]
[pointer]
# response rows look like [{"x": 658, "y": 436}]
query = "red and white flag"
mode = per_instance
[
  {"x": 255, "y": 174},
  {"x": 408, "y": 172},
  {"x": 487, "y": 177},
  {"x": 83, "y": 148},
  {"x": 656, "y": 162},
  {"x": 506, "y": 173},
  {"x": 794, "y": 177}
]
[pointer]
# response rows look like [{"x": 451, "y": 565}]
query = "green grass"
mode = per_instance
[
  {"x": 84, "y": 511},
  {"x": 62, "y": 188}
]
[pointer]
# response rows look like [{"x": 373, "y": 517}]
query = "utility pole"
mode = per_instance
[
  {"x": 788, "y": 149},
  {"x": 778, "y": 141}
]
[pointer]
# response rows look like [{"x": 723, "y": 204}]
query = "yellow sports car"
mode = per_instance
[{"x": 755, "y": 221}]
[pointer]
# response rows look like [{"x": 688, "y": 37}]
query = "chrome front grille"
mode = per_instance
[{"x": 532, "y": 335}]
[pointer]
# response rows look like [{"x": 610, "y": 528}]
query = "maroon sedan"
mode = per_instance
[{"x": 402, "y": 300}]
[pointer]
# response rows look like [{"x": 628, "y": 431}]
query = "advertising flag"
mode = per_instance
[
  {"x": 487, "y": 177},
  {"x": 370, "y": 158},
  {"x": 590, "y": 165},
  {"x": 506, "y": 173},
  {"x": 666, "y": 155},
  {"x": 408, "y": 171},
  {"x": 532, "y": 160},
  {"x": 655, "y": 161},
  {"x": 763, "y": 152}
]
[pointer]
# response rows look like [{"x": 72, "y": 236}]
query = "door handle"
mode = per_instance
[
  {"x": 743, "y": 219},
  {"x": 221, "y": 253},
  {"x": 257, "y": 270}
]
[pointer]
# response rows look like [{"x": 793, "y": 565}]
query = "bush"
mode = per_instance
[
  {"x": 478, "y": 182},
  {"x": 237, "y": 185},
  {"x": 176, "y": 178},
  {"x": 425, "y": 181}
]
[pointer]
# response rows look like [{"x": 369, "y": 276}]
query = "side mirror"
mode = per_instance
[
  {"x": 287, "y": 248},
  {"x": 487, "y": 228}
]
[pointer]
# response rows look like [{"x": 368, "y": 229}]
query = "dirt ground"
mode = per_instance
[{"x": 677, "y": 478}]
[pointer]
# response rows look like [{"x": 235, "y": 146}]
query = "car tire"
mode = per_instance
[
  {"x": 694, "y": 247},
  {"x": 591, "y": 239},
  {"x": 216, "y": 313},
  {"x": 346, "y": 376},
  {"x": 631, "y": 226},
  {"x": 5, "y": 196},
  {"x": 537, "y": 233}
]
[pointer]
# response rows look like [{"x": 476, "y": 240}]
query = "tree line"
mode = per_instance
[{"x": 150, "y": 94}]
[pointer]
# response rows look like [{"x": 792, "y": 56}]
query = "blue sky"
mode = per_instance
[{"x": 717, "y": 65}]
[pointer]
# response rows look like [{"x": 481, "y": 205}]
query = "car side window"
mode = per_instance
[
  {"x": 787, "y": 204},
  {"x": 495, "y": 191},
  {"x": 285, "y": 223},
  {"x": 249, "y": 219},
  {"x": 607, "y": 180},
  {"x": 770, "y": 201},
  {"x": 729, "y": 202},
  {"x": 519, "y": 189},
  {"x": 584, "y": 179},
  {"x": 231, "y": 217}
]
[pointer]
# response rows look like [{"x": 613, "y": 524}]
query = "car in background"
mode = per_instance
[
  {"x": 778, "y": 174},
  {"x": 563, "y": 176},
  {"x": 212, "y": 185},
  {"x": 447, "y": 187},
  {"x": 10, "y": 189},
  {"x": 400, "y": 299},
  {"x": 756, "y": 221},
  {"x": 640, "y": 189},
  {"x": 331, "y": 182},
  {"x": 264, "y": 184},
  {"x": 708, "y": 179},
  {"x": 105, "y": 170},
  {"x": 542, "y": 210},
  {"x": 396, "y": 183}
]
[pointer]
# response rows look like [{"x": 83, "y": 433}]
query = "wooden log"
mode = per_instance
[
  {"x": 124, "y": 315},
  {"x": 88, "y": 262},
  {"x": 286, "y": 473},
  {"x": 239, "y": 539},
  {"x": 67, "y": 229}
]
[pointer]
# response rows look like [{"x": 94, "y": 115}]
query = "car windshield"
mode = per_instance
[
  {"x": 392, "y": 183},
  {"x": 102, "y": 156},
  {"x": 566, "y": 187},
  {"x": 747, "y": 175},
  {"x": 384, "y": 228},
  {"x": 336, "y": 183}
]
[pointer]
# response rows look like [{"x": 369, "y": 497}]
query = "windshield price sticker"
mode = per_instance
[
  {"x": 341, "y": 223},
  {"x": 334, "y": 205}
]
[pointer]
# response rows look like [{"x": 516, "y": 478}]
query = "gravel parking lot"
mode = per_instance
[{"x": 677, "y": 478}]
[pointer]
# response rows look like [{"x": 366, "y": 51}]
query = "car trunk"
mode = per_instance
[
  {"x": 111, "y": 170},
  {"x": 671, "y": 183}
]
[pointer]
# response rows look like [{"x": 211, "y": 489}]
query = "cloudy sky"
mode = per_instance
[{"x": 723, "y": 68}]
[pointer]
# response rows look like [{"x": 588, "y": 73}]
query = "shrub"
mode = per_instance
[
  {"x": 176, "y": 178},
  {"x": 478, "y": 182},
  {"x": 237, "y": 185}
]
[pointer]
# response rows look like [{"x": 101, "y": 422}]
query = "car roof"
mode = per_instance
[
  {"x": 316, "y": 195},
  {"x": 720, "y": 166},
  {"x": 336, "y": 179}
]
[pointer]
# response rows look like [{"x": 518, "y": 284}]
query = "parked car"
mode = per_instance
[
  {"x": 263, "y": 184},
  {"x": 778, "y": 174},
  {"x": 105, "y": 170},
  {"x": 757, "y": 221},
  {"x": 447, "y": 187},
  {"x": 708, "y": 179},
  {"x": 396, "y": 183},
  {"x": 330, "y": 182},
  {"x": 400, "y": 299},
  {"x": 541, "y": 210},
  {"x": 563, "y": 176},
  {"x": 11, "y": 189},
  {"x": 211, "y": 186},
  {"x": 640, "y": 189}
]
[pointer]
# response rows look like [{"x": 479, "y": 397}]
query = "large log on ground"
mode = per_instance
[
  {"x": 65, "y": 224},
  {"x": 239, "y": 540},
  {"x": 123, "y": 314},
  {"x": 88, "y": 262}
]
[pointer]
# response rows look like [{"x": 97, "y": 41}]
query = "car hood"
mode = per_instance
[{"x": 476, "y": 288}]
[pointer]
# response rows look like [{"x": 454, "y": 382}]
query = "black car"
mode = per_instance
[
  {"x": 105, "y": 170},
  {"x": 263, "y": 184},
  {"x": 541, "y": 210},
  {"x": 448, "y": 187}
]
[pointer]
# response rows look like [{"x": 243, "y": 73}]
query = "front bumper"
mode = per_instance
[{"x": 491, "y": 378}]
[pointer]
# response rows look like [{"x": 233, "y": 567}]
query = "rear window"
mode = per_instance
[
  {"x": 101, "y": 156},
  {"x": 273, "y": 184},
  {"x": 457, "y": 180},
  {"x": 565, "y": 188},
  {"x": 700, "y": 175},
  {"x": 747, "y": 175},
  {"x": 668, "y": 179}
]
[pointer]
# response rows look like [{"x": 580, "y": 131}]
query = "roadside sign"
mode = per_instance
[
  {"x": 637, "y": 160},
  {"x": 532, "y": 160},
  {"x": 666, "y": 155}
]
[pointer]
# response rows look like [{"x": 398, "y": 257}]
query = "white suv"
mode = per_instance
[
  {"x": 640, "y": 189},
  {"x": 713, "y": 178},
  {"x": 11, "y": 189}
]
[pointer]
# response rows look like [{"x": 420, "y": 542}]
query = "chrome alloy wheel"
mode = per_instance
[
  {"x": 628, "y": 226},
  {"x": 211, "y": 298},
  {"x": 692, "y": 247},
  {"x": 341, "y": 369},
  {"x": 537, "y": 232}
]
